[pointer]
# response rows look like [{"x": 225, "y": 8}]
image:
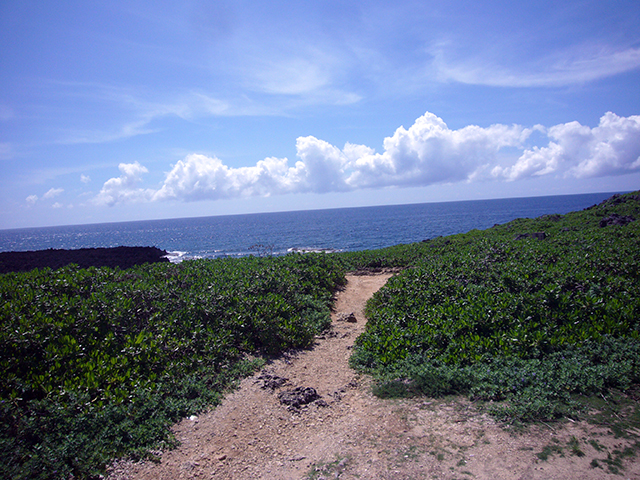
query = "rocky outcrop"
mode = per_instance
[
  {"x": 538, "y": 235},
  {"x": 122, "y": 257},
  {"x": 615, "y": 219}
]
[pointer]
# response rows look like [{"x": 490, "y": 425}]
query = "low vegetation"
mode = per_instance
[
  {"x": 537, "y": 318},
  {"x": 98, "y": 363},
  {"x": 534, "y": 316}
]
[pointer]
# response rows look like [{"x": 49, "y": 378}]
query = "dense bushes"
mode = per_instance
[
  {"x": 97, "y": 363},
  {"x": 484, "y": 305}
]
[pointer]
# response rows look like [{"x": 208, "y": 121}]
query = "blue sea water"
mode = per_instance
[{"x": 344, "y": 229}]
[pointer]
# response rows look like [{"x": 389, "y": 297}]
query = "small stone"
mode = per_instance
[
  {"x": 298, "y": 396},
  {"x": 222, "y": 457},
  {"x": 347, "y": 317},
  {"x": 272, "y": 382}
]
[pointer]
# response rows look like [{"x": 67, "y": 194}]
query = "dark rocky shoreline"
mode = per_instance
[{"x": 123, "y": 257}]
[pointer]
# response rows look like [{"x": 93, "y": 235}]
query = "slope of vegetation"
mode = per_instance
[
  {"x": 532, "y": 314},
  {"x": 98, "y": 363}
]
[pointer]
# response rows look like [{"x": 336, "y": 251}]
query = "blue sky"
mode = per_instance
[{"x": 133, "y": 110}]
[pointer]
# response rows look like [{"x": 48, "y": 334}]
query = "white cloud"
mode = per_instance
[
  {"x": 430, "y": 152},
  {"x": 427, "y": 153},
  {"x": 199, "y": 177},
  {"x": 535, "y": 162},
  {"x": 32, "y": 199},
  {"x": 322, "y": 166},
  {"x": 575, "y": 150},
  {"x": 53, "y": 192},
  {"x": 57, "y": 205},
  {"x": 85, "y": 178},
  {"x": 124, "y": 189}
]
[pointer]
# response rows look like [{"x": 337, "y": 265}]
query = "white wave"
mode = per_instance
[
  {"x": 311, "y": 250},
  {"x": 176, "y": 256}
]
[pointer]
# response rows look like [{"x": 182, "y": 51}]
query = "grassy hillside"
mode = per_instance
[
  {"x": 532, "y": 314},
  {"x": 534, "y": 317}
]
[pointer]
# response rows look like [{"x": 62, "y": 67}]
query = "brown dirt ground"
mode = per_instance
[{"x": 355, "y": 435}]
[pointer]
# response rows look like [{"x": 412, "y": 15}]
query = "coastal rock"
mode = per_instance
[
  {"x": 122, "y": 257},
  {"x": 616, "y": 199},
  {"x": 538, "y": 235},
  {"x": 615, "y": 219}
]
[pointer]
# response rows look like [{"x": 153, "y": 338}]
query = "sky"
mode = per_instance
[{"x": 136, "y": 110}]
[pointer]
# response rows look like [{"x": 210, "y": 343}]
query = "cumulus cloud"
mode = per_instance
[
  {"x": 575, "y": 150},
  {"x": 125, "y": 187},
  {"x": 427, "y": 153},
  {"x": 49, "y": 194},
  {"x": 200, "y": 177},
  {"x": 430, "y": 152},
  {"x": 85, "y": 178}
]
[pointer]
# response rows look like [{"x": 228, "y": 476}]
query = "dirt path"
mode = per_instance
[{"x": 350, "y": 434}]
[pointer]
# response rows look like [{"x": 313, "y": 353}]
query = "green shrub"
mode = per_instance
[
  {"x": 98, "y": 363},
  {"x": 508, "y": 318}
]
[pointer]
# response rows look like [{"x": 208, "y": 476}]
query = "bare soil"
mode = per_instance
[{"x": 350, "y": 434}]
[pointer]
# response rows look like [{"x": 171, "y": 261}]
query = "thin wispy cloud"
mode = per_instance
[
  {"x": 576, "y": 66},
  {"x": 281, "y": 69},
  {"x": 98, "y": 136},
  {"x": 53, "y": 192},
  {"x": 138, "y": 116}
]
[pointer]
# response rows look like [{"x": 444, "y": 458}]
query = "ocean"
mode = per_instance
[{"x": 343, "y": 229}]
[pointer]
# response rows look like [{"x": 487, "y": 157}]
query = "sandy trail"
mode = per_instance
[{"x": 351, "y": 434}]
